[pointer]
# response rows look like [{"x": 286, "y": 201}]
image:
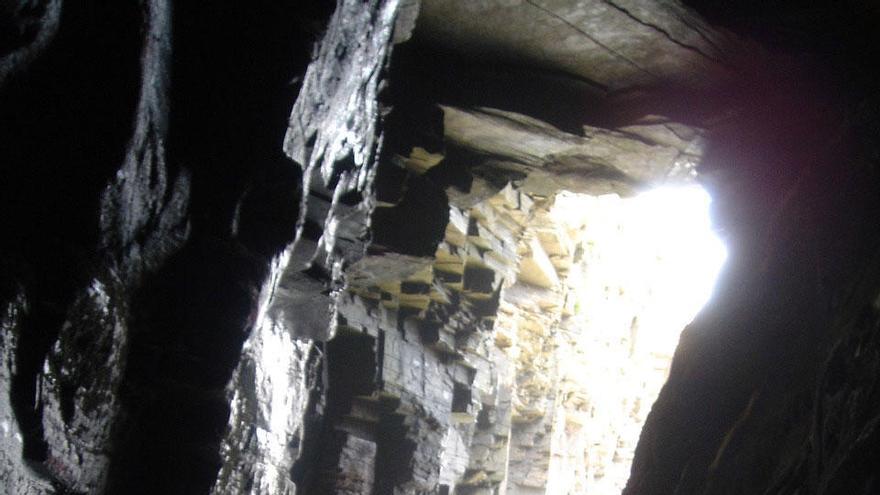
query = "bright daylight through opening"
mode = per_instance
[{"x": 644, "y": 268}]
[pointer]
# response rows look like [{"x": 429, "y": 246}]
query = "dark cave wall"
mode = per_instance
[
  {"x": 770, "y": 390},
  {"x": 144, "y": 192},
  {"x": 746, "y": 409},
  {"x": 163, "y": 246}
]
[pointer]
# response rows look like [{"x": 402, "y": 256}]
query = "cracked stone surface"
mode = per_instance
[
  {"x": 296, "y": 247},
  {"x": 615, "y": 44}
]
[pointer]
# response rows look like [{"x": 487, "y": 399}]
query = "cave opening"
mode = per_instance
[
  {"x": 394, "y": 247},
  {"x": 643, "y": 267}
]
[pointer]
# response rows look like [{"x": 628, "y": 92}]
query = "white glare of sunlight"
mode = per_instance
[
  {"x": 647, "y": 266},
  {"x": 673, "y": 224},
  {"x": 662, "y": 247}
]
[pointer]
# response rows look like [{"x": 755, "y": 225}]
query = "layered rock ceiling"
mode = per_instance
[{"x": 281, "y": 247}]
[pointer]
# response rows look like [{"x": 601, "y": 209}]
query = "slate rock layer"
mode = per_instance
[{"x": 298, "y": 247}]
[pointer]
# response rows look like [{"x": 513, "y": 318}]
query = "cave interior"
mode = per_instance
[{"x": 308, "y": 247}]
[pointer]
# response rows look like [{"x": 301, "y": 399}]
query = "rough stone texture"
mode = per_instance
[
  {"x": 748, "y": 407},
  {"x": 746, "y": 394},
  {"x": 31, "y": 28},
  {"x": 137, "y": 247},
  {"x": 333, "y": 135},
  {"x": 599, "y": 161},
  {"x": 181, "y": 317},
  {"x": 411, "y": 314},
  {"x": 17, "y": 476},
  {"x": 83, "y": 338},
  {"x": 614, "y": 44},
  {"x": 184, "y": 308},
  {"x": 536, "y": 388},
  {"x": 440, "y": 368}
]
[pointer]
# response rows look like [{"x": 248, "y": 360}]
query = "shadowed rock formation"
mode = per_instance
[{"x": 292, "y": 247}]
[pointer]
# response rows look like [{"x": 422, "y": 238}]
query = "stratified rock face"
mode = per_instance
[
  {"x": 273, "y": 247},
  {"x": 186, "y": 309},
  {"x": 596, "y": 161},
  {"x": 334, "y": 134},
  {"x": 415, "y": 394}
]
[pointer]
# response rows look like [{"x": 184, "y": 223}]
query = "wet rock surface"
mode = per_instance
[
  {"x": 287, "y": 247},
  {"x": 128, "y": 192}
]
